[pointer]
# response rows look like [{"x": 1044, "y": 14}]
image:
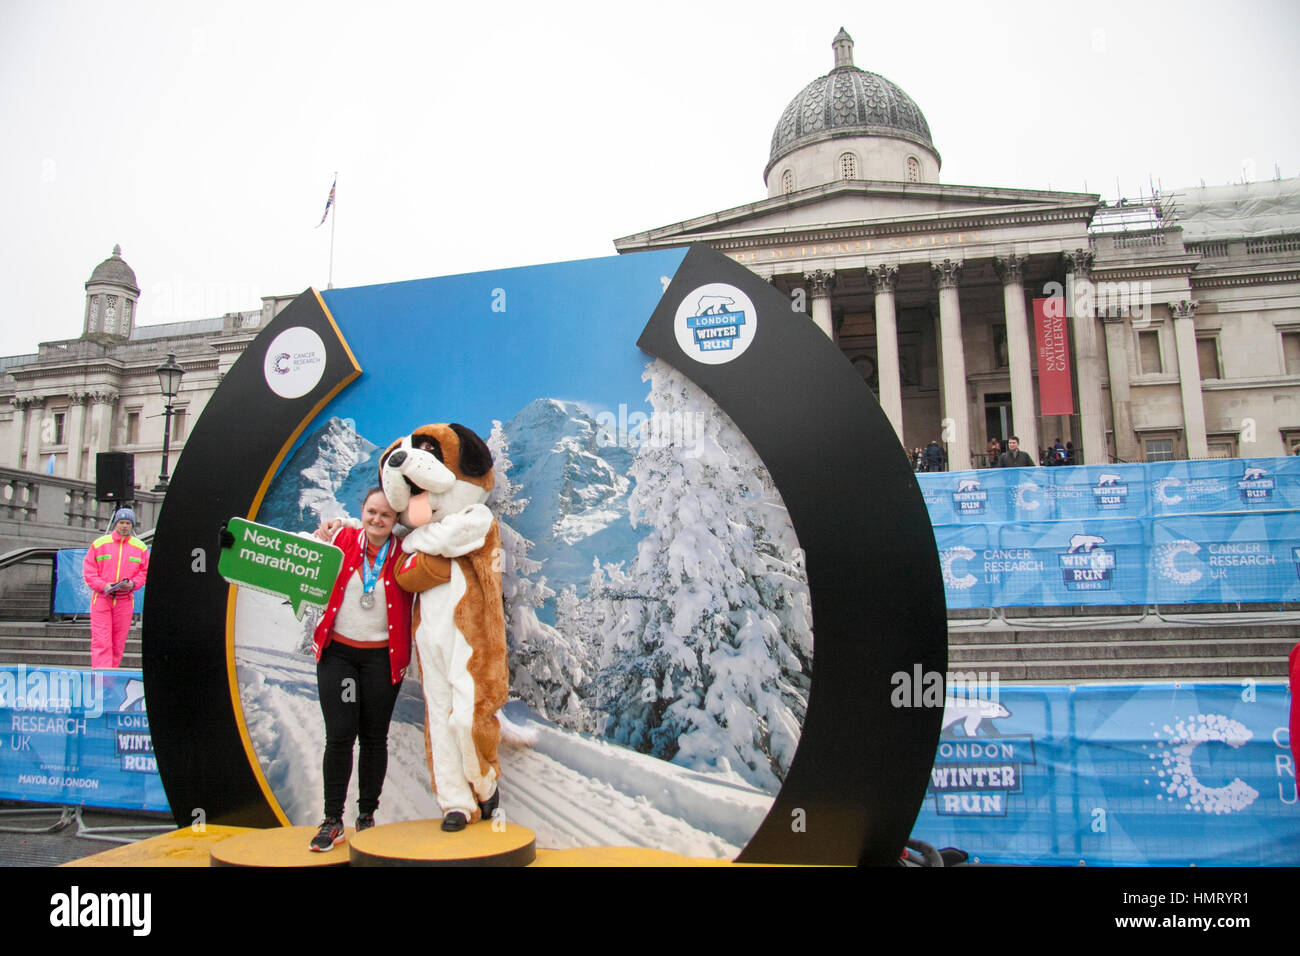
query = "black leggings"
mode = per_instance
[{"x": 357, "y": 695}]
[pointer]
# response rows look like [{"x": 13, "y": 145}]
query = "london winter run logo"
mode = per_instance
[
  {"x": 969, "y": 498},
  {"x": 715, "y": 323},
  {"x": 977, "y": 772},
  {"x": 1255, "y": 486},
  {"x": 1086, "y": 565},
  {"x": 294, "y": 362},
  {"x": 1110, "y": 493}
]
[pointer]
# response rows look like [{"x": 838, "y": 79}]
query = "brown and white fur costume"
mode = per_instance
[{"x": 437, "y": 479}]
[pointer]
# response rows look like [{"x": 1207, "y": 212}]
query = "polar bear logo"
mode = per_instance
[
  {"x": 1084, "y": 542},
  {"x": 1254, "y": 474},
  {"x": 968, "y": 484},
  {"x": 713, "y": 304},
  {"x": 133, "y": 696},
  {"x": 1108, "y": 479},
  {"x": 970, "y": 712}
]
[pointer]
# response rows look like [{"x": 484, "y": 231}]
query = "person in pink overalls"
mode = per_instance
[{"x": 114, "y": 569}]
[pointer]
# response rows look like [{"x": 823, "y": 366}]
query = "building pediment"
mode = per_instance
[{"x": 862, "y": 210}]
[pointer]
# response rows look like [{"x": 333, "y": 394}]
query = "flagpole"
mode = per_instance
[{"x": 332, "y": 224}]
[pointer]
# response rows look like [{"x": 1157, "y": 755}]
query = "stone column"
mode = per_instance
[
  {"x": 1121, "y": 407},
  {"x": 883, "y": 279},
  {"x": 101, "y": 421},
  {"x": 822, "y": 282},
  {"x": 947, "y": 275},
  {"x": 21, "y": 421},
  {"x": 35, "y": 409},
  {"x": 1189, "y": 378},
  {"x": 1024, "y": 422},
  {"x": 76, "y": 430},
  {"x": 1091, "y": 444}
]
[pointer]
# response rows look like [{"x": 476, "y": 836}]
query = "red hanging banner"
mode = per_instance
[{"x": 1052, "y": 333}]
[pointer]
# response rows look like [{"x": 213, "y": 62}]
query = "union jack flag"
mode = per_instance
[{"x": 329, "y": 203}]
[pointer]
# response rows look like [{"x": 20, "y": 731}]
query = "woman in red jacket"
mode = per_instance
[{"x": 363, "y": 646}]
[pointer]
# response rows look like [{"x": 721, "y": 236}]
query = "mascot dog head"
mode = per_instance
[{"x": 435, "y": 471}]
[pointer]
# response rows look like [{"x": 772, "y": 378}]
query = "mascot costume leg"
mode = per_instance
[{"x": 437, "y": 479}]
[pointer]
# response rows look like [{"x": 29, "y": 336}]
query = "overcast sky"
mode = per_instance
[{"x": 203, "y": 137}]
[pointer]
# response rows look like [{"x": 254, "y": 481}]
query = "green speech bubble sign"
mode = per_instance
[{"x": 272, "y": 561}]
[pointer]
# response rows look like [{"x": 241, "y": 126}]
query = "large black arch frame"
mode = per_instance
[{"x": 859, "y": 775}]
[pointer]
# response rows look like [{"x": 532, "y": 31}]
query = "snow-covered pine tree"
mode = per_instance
[
  {"x": 706, "y": 665},
  {"x": 546, "y": 667}
]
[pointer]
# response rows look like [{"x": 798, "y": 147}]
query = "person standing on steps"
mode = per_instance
[{"x": 115, "y": 567}]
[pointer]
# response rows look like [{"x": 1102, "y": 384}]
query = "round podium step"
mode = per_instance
[
  {"x": 423, "y": 843},
  {"x": 277, "y": 846}
]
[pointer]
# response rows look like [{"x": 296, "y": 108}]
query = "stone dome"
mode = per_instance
[
  {"x": 114, "y": 271},
  {"x": 848, "y": 101}
]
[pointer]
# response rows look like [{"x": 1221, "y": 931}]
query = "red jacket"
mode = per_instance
[
  {"x": 111, "y": 558},
  {"x": 399, "y": 602}
]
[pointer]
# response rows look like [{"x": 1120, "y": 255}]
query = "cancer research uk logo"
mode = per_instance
[
  {"x": 715, "y": 323},
  {"x": 294, "y": 363},
  {"x": 1255, "y": 487},
  {"x": 1174, "y": 761},
  {"x": 1086, "y": 565},
  {"x": 969, "y": 498}
]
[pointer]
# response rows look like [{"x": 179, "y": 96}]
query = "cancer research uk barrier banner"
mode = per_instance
[
  {"x": 71, "y": 596},
  {"x": 1185, "y": 559},
  {"x": 1224, "y": 559},
  {"x": 1240, "y": 484},
  {"x": 1171, "y": 533},
  {"x": 1070, "y": 493},
  {"x": 1051, "y": 564},
  {"x": 1134, "y": 774},
  {"x": 77, "y": 737}
]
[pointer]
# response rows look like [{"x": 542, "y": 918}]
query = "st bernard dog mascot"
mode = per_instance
[{"x": 437, "y": 479}]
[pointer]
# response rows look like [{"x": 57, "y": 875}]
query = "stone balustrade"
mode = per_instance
[{"x": 38, "y": 510}]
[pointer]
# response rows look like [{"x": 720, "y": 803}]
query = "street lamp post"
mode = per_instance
[{"x": 169, "y": 380}]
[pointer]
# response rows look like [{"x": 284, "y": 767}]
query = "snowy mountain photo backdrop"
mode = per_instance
[{"x": 656, "y": 605}]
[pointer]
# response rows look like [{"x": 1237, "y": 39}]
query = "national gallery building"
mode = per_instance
[{"x": 1182, "y": 312}]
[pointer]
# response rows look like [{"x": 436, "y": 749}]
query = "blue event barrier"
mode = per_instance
[
  {"x": 71, "y": 596},
  {"x": 77, "y": 737},
  {"x": 1172, "y": 533},
  {"x": 1158, "y": 774}
]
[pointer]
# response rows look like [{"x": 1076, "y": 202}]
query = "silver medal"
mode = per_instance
[{"x": 367, "y": 601}]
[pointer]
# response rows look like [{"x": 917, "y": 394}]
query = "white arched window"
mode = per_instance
[
  {"x": 787, "y": 182},
  {"x": 913, "y": 170},
  {"x": 848, "y": 166}
]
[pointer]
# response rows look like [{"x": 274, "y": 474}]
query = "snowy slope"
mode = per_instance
[{"x": 571, "y": 789}]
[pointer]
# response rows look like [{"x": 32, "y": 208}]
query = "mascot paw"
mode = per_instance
[
  {"x": 455, "y": 535},
  {"x": 454, "y": 822}
]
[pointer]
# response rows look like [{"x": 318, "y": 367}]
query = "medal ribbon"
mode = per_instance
[{"x": 370, "y": 572}]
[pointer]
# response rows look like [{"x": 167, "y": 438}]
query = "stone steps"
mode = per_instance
[
  {"x": 962, "y": 636},
  {"x": 1218, "y": 647},
  {"x": 26, "y": 602},
  {"x": 58, "y": 645},
  {"x": 1133, "y": 670}
]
